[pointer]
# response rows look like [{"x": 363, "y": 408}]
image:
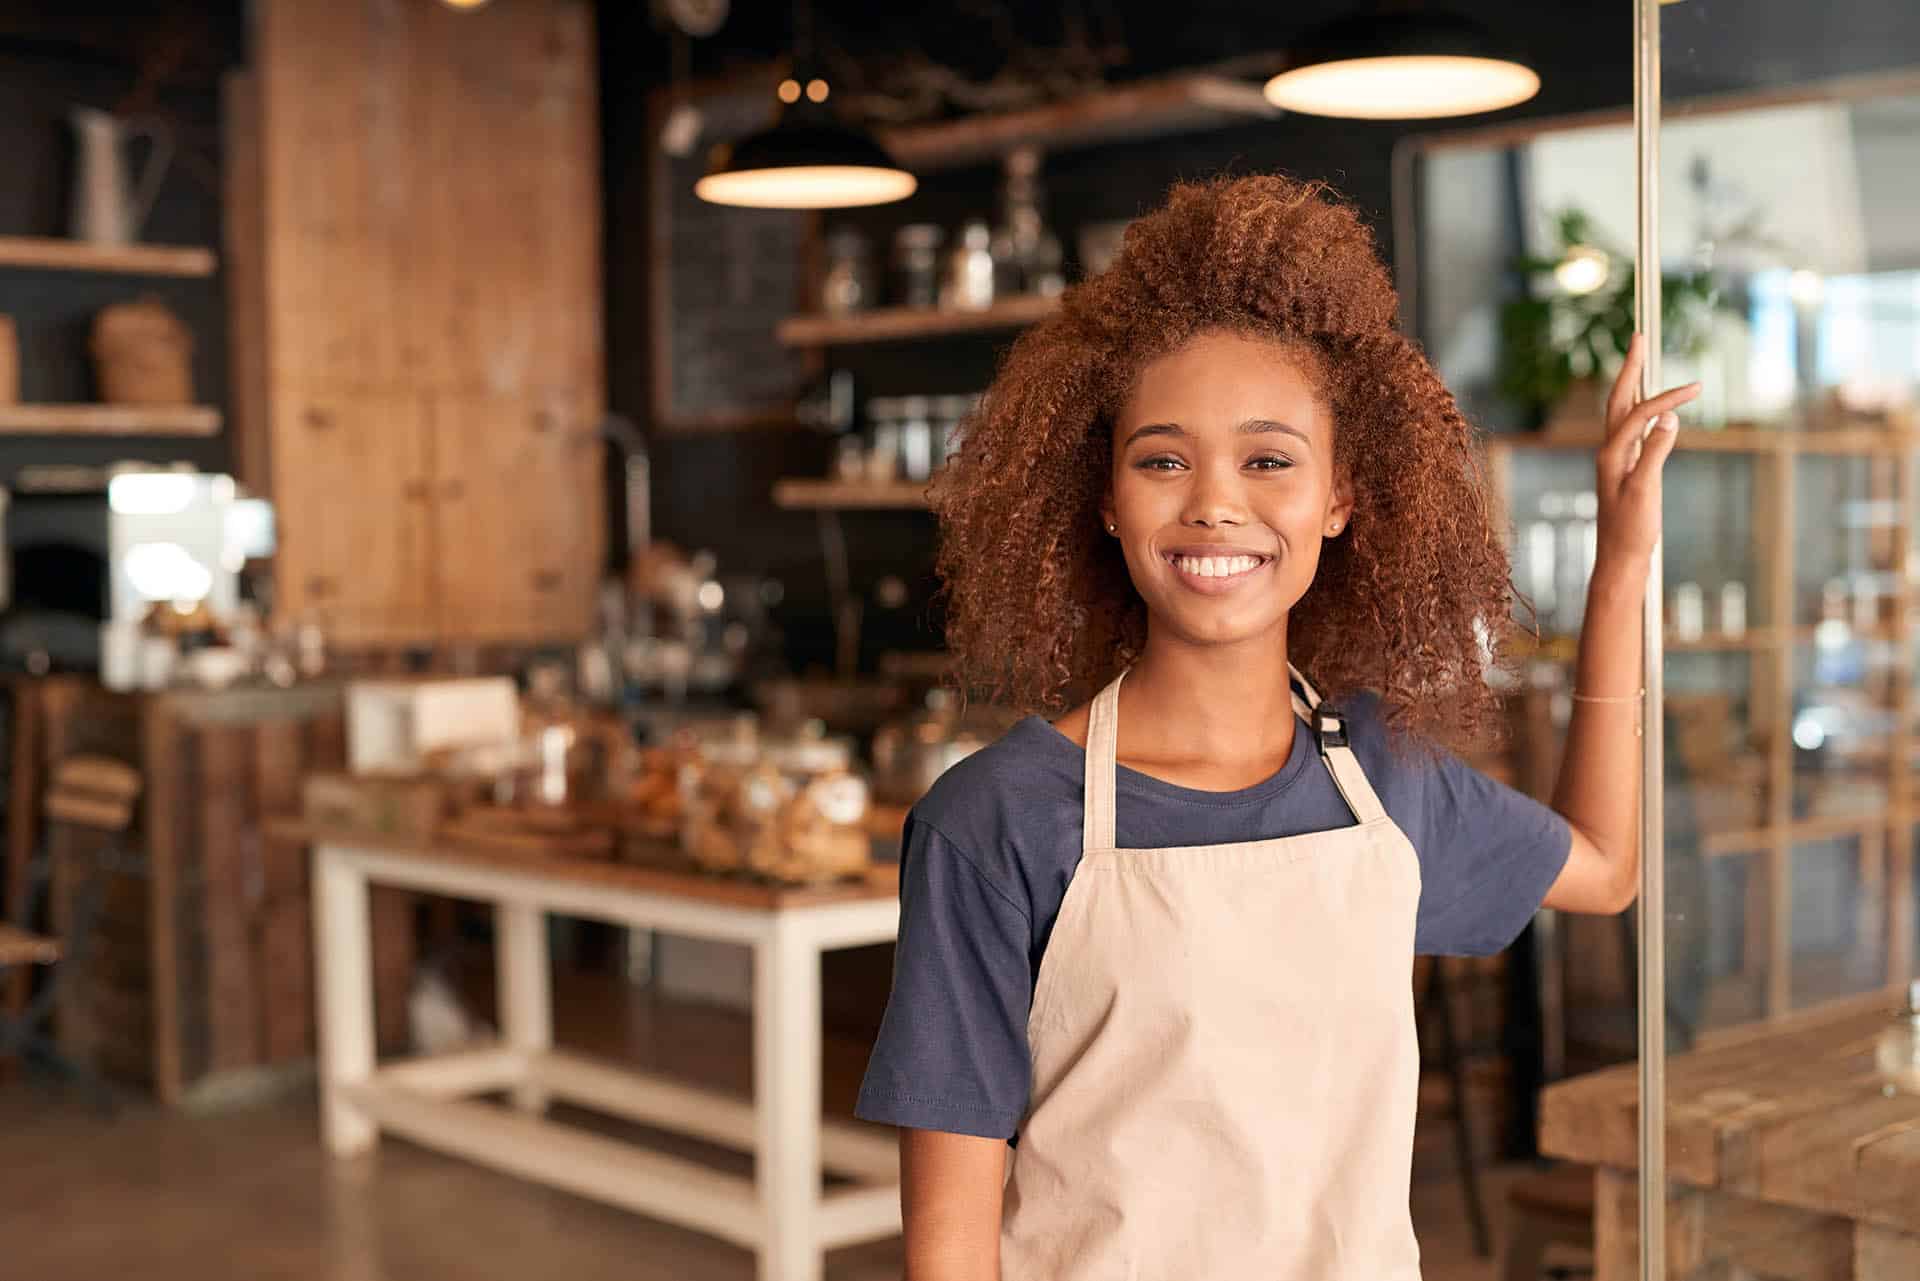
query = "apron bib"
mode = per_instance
[{"x": 1224, "y": 1051}]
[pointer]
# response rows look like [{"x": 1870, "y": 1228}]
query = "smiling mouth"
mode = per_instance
[{"x": 1215, "y": 571}]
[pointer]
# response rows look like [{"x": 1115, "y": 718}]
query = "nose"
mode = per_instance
[{"x": 1215, "y": 499}]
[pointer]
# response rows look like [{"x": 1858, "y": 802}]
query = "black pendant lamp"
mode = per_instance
[
  {"x": 1401, "y": 65},
  {"x": 809, "y": 159}
]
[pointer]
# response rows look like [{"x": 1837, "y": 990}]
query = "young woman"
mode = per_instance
[{"x": 1162, "y": 944}]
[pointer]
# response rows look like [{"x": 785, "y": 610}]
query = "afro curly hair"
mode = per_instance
[{"x": 1412, "y": 603}]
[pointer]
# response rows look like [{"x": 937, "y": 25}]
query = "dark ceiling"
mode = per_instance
[{"x": 1582, "y": 47}]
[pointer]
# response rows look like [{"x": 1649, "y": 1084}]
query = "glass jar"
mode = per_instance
[
  {"x": 883, "y": 440},
  {"x": 848, "y": 285},
  {"x": 916, "y": 265},
  {"x": 849, "y": 458},
  {"x": 1897, "y": 1052},
  {"x": 950, "y": 414}
]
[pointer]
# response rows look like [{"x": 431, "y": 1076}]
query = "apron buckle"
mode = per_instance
[{"x": 1330, "y": 728}]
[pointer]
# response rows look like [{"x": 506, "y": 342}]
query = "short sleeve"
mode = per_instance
[
  {"x": 1488, "y": 856},
  {"x": 952, "y": 1051}
]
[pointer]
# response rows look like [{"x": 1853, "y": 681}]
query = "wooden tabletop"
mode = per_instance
[
  {"x": 1796, "y": 1117},
  {"x": 882, "y": 882}
]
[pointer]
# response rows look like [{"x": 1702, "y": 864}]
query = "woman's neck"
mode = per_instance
[{"x": 1221, "y": 703}]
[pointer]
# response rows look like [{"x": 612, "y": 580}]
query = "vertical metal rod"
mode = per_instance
[{"x": 1653, "y": 861}]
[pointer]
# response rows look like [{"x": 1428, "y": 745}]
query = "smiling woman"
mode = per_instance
[
  {"x": 1163, "y": 941},
  {"x": 1241, "y": 350}
]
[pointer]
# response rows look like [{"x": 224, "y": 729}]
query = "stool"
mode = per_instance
[{"x": 1548, "y": 1206}]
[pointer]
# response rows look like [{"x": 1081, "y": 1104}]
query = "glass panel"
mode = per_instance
[
  {"x": 1788, "y": 258},
  {"x": 1722, "y": 967},
  {"x": 1838, "y": 929}
]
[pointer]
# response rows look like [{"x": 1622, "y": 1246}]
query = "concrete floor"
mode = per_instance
[{"x": 249, "y": 1194}]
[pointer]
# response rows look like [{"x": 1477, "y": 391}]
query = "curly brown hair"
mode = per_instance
[{"x": 1040, "y": 609}]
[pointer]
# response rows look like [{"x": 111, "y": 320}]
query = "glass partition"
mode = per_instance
[{"x": 1788, "y": 251}]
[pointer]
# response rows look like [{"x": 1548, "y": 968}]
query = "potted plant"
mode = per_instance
[{"x": 1562, "y": 340}]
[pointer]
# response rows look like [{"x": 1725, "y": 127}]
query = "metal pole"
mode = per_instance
[{"x": 1653, "y": 861}]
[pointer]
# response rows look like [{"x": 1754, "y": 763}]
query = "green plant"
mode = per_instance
[{"x": 1551, "y": 336}]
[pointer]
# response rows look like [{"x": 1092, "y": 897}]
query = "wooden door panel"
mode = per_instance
[
  {"x": 518, "y": 511},
  {"x": 351, "y": 483}
]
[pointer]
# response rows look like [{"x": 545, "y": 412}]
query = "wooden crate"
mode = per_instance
[{"x": 406, "y": 808}]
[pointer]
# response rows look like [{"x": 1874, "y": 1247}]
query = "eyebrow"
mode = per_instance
[{"x": 1251, "y": 427}]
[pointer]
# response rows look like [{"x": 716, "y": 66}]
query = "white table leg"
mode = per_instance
[
  {"x": 786, "y": 1091},
  {"x": 526, "y": 987},
  {"x": 343, "y": 969}
]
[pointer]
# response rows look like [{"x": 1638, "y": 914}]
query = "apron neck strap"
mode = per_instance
[
  {"x": 1328, "y": 727},
  {"x": 1103, "y": 734}
]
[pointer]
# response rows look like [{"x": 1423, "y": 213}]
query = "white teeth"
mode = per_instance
[{"x": 1216, "y": 566}]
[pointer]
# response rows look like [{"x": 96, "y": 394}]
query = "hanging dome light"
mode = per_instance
[
  {"x": 808, "y": 160},
  {"x": 1401, "y": 66}
]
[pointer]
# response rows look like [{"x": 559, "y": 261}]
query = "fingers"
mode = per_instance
[
  {"x": 1626, "y": 431},
  {"x": 1654, "y": 450},
  {"x": 1626, "y": 384},
  {"x": 1665, "y": 402}
]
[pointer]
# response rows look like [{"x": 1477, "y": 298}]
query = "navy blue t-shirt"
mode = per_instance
[{"x": 989, "y": 850}]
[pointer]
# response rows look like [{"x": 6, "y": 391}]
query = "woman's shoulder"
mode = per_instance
[
  {"x": 1020, "y": 784},
  {"x": 1394, "y": 760}
]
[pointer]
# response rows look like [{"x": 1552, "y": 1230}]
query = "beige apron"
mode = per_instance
[{"x": 1224, "y": 1054}]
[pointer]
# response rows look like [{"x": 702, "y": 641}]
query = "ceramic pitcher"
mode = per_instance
[{"x": 109, "y": 203}]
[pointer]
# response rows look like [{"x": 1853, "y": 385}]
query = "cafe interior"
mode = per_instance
[{"x": 469, "y": 636}]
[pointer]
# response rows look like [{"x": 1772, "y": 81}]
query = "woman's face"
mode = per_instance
[{"x": 1223, "y": 487}]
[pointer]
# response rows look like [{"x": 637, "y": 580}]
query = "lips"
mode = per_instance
[{"x": 1213, "y": 568}]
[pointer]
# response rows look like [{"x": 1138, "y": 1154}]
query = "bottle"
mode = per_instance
[
  {"x": 916, "y": 437},
  {"x": 1027, "y": 255}
]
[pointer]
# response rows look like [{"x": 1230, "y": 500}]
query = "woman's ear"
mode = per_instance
[
  {"x": 1108, "y": 521},
  {"x": 1340, "y": 508}
]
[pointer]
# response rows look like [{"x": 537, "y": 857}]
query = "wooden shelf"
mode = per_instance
[
  {"x": 838, "y": 495},
  {"x": 894, "y": 324},
  {"x": 1733, "y": 440},
  {"x": 51, "y": 254},
  {"x": 1753, "y": 640},
  {"x": 1126, "y": 113},
  {"x": 109, "y": 420}
]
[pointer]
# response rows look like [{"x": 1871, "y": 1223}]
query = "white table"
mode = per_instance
[{"x": 781, "y": 1213}]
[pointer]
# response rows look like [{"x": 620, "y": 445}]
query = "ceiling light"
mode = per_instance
[
  {"x": 808, "y": 160},
  {"x": 1401, "y": 66}
]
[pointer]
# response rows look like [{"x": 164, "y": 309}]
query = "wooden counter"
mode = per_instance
[
  {"x": 201, "y": 977},
  {"x": 1786, "y": 1153},
  {"x": 882, "y": 881}
]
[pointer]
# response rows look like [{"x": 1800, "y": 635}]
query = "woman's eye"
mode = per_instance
[
  {"x": 1270, "y": 462},
  {"x": 1160, "y": 462}
]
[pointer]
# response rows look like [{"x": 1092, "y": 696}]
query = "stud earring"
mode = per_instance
[{"x": 1112, "y": 528}]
